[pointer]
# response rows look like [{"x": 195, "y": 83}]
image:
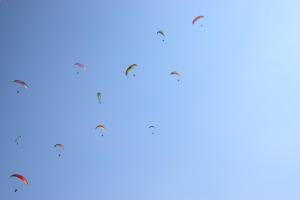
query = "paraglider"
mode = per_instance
[
  {"x": 176, "y": 73},
  {"x": 162, "y": 34},
  {"x": 130, "y": 68},
  {"x": 22, "y": 178},
  {"x": 99, "y": 97},
  {"x": 18, "y": 138},
  {"x": 61, "y": 147},
  {"x": 22, "y": 83},
  {"x": 81, "y": 66},
  {"x": 102, "y": 127},
  {"x": 197, "y": 18},
  {"x": 152, "y": 127}
]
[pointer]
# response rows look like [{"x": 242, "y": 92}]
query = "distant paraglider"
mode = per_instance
[
  {"x": 20, "y": 177},
  {"x": 101, "y": 127},
  {"x": 197, "y": 18},
  {"x": 152, "y": 127},
  {"x": 17, "y": 140},
  {"x": 99, "y": 97},
  {"x": 22, "y": 83},
  {"x": 176, "y": 73},
  {"x": 61, "y": 148},
  {"x": 81, "y": 66},
  {"x": 160, "y": 32},
  {"x": 130, "y": 68}
]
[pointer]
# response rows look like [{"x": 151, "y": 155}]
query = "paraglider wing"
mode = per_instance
[
  {"x": 130, "y": 68},
  {"x": 161, "y": 32},
  {"x": 176, "y": 73},
  {"x": 82, "y": 66},
  {"x": 22, "y": 178},
  {"x": 197, "y": 18},
  {"x": 101, "y": 127},
  {"x": 22, "y": 83},
  {"x": 61, "y": 146}
]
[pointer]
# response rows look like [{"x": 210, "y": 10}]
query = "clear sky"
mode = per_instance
[{"x": 229, "y": 130}]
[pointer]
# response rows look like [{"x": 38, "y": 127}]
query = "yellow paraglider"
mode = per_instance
[{"x": 130, "y": 68}]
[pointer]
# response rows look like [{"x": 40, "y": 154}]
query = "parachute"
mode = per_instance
[
  {"x": 99, "y": 97},
  {"x": 197, "y": 18},
  {"x": 102, "y": 127},
  {"x": 130, "y": 68},
  {"x": 22, "y": 83},
  {"x": 22, "y": 178},
  {"x": 162, "y": 34}
]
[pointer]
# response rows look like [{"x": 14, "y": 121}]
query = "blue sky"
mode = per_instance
[{"x": 228, "y": 130}]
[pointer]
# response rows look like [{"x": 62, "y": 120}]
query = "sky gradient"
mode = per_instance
[{"x": 228, "y": 130}]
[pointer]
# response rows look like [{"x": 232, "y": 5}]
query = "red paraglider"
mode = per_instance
[
  {"x": 197, "y": 18},
  {"x": 22, "y": 83},
  {"x": 82, "y": 66},
  {"x": 22, "y": 178}
]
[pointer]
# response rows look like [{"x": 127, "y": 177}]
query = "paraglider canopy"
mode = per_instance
[
  {"x": 80, "y": 65},
  {"x": 22, "y": 83},
  {"x": 22, "y": 178},
  {"x": 197, "y": 18},
  {"x": 61, "y": 146},
  {"x": 130, "y": 68},
  {"x": 101, "y": 126},
  {"x": 176, "y": 73}
]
